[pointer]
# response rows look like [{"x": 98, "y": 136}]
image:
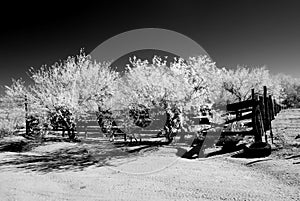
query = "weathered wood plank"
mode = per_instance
[
  {"x": 242, "y": 133},
  {"x": 240, "y": 111},
  {"x": 247, "y": 116},
  {"x": 240, "y": 105}
]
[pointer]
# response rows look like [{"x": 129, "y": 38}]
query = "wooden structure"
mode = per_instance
[{"x": 257, "y": 113}]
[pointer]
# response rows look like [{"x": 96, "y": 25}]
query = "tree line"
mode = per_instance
[{"x": 80, "y": 85}]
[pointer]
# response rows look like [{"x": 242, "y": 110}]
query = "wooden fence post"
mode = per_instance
[
  {"x": 252, "y": 94},
  {"x": 271, "y": 112},
  {"x": 253, "y": 109},
  {"x": 257, "y": 123},
  {"x": 263, "y": 115},
  {"x": 271, "y": 108},
  {"x": 262, "y": 108},
  {"x": 26, "y": 116},
  {"x": 267, "y": 112},
  {"x": 85, "y": 129},
  {"x": 274, "y": 106},
  {"x": 266, "y": 109}
]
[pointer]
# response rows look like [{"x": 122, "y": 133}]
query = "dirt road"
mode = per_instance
[
  {"x": 153, "y": 174},
  {"x": 133, "y": 179}
]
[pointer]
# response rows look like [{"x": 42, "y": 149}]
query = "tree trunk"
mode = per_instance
[{"x": 173, "y": 122}]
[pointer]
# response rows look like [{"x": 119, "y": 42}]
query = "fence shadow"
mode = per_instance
[
  {"x": 226, "y": 150},
  {"x": 75, "y": 158},
  {"x": 18, "y": 146},
  {"x": 195, "y": 151},
  {"x": 143, "y": 142}
]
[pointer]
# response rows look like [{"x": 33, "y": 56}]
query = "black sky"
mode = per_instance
[{"x": 232, "y": 32}]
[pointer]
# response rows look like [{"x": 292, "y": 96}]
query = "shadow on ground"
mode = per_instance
[
  {"x": 57, "y": 155},
  {"x": 75, "y": 158},
  {"x": 138, "y": 143},
  {"x": 229, "y": 149},
  {"x": 62, "y": 156},
  {"x": 196, "y": 152},
  {"x": 136, "y": 146},
  {"x": 248, "y": 155}
]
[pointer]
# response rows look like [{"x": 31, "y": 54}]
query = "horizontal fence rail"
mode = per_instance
[{"x": 259, "y": 111}]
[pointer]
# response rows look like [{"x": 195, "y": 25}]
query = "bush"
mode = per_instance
[
  {"x": 290, "y": 90},
  {"x": 61, "y": 118},
  {"x": 33, "y": 124},
  {"x": 10, "y": 119},
  {"x": 141, "y": 116}
]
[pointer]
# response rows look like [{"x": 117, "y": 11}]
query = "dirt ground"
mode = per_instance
[{"x": 98, "y": 170}]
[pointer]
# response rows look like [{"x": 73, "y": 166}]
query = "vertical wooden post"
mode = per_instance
[
  {"x": 253, "y": 109},
  {"x": 274, "y": 103},
  {"x": 266, "y": 109},
  {"x": 263, "y": 112},
  {"x": 274, "y": 106},
  {"x": 255, "y": 119},
  {"x": 271, "y": 108},
  {"x": 271, "y": 116},
  {"x": 26, "y": 116},
  {"x": 85, "y": 129},
  {"x": 263, "y": 115}
]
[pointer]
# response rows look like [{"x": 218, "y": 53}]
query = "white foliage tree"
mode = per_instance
[
  {"x": 77, "y": 84},
  {"x": 239, "y": 82},
  {"x": 290, "y": 90},
  {"x": 182, "y": 86},
  {"x": 13, "y": 106}
]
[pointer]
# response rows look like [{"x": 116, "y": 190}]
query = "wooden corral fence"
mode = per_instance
[
  {"x": 89, "y": 127},
  {"x": 256, "y": 113}
]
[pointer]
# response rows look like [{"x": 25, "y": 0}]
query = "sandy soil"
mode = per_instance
[{"x": 100, "y": 171}]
